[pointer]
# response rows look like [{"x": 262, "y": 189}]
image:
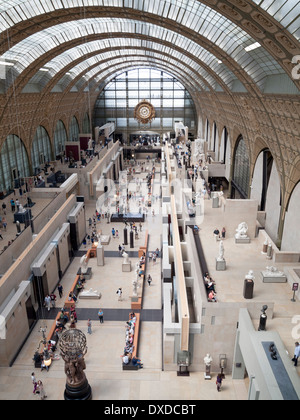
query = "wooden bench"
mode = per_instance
[
  {"x": 142, "y": 251},
  {"x": 70, "y": 303},
  {"x": 130, "y": 366},
  {"x": 92, "y": 253},
  {"x": 50, "y": 336}
]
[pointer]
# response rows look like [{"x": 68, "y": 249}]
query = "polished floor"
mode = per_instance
[{"x": 105, "y": 345}]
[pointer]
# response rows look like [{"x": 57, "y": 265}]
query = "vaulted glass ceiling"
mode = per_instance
[
  {"x": 36, "y": 45},
  {"x": 210, "y": 44},
  {"x": 286, "y": 12}
]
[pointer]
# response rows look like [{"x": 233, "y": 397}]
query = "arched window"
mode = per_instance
[
  {"x": 171, "y": 100},
  {"x": 291, "y": 235},
  {"x": 241, "y": 174},
  {"x": 41, "y": 149},
  {"x": 74, "y": 130},
  {"x": 60, "y": 138},
  {"x": 261, "y": 177},
  {"x": 86, "y": 127},
  {"x": 14, "y": 163}
]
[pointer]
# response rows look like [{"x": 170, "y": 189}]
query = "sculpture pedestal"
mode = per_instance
[
  {"x": 248, "y": 289},
  {"x": 81, "y": 392},
  {"x": 126, "y": 267},
  {"x": 100, "y": 255},
  {"x": 207, "y": 375},
  {"x": 215, "y": 202},
  {"x": 246, "y": 240},
  {"x": 220, "y": 265},
  {"x": 269, "y": 278}
]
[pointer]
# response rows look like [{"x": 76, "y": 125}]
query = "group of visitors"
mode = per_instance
[
  {"x": 38, "y": 387},
  {"x": 219, "y": 235},
  {"x": 129, "y": 347},
  {"x": 49, "y": 301},
  {"x": 210, "y": 288},
  {"x": 153, "y": 256},
  {"x": 115, "y": 233},
  {"x": 15, "y": 206}
]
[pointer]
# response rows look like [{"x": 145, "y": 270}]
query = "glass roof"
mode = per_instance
[
  {"x": 116, "y": 48},
  {"x": 31, "y": 48},
  {"x": 286, "y": 12},
  {"x": 84, "y": 68},
  {"x": 191, "y": 14}
]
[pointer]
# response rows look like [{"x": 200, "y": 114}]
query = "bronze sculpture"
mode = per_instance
[{"x": 73, "y": 348}]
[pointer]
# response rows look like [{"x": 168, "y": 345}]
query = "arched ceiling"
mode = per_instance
[{"x": 204, "y": 42}]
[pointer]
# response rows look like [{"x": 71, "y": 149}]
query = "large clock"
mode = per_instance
[{"x": 144, "y": 112}]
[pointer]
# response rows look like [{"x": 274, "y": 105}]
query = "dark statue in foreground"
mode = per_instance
[{"x": 73, "y": 348}]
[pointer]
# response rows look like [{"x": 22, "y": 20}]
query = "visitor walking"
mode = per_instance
[
  {"x": 60, "y": 290},
  {"x": 219, "y": 382},
  {"x": 4, "y": 208},
  {"x": 34, "y": 382},
  {"x": 100, "y": 315},
  {"x": 40, "y": 390},
  {"x": 120, "y": 250},
  {"x": 149, "y": 280},
  {"x": 119, "y": 293},
  {"x": 223, "y": 233},
  {"x": 296, "y": 353},
  {"x": 89, "y": 325},
  {"x": 48, "y": 302},
  {"x": 53, "y": 299},
  {"x": 13, "y": 205},
  {"x": 4, "y": 223}
]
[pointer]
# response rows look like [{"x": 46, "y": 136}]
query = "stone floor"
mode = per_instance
[{"x": 105, "y": 345}]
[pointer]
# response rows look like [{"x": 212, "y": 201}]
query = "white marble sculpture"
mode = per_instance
[
  {"x": 199, "y": 148},
  {"x": 273, "y": 272},
  {"x": 137, "y": 268},
  {"x": 90, "y": 294},
  {"x": 197, "y": 199},
  {"x": 99, "y": 239},
  {"x": 134, "y": 287},
  {"x": 90, "y": 144},
  {"x": 250, "y": 275},
  {"x": 21, "y": 209},
  {"x": 126, "y": 258},
  {"x": 208, "y": 360},
  {"x": 241, "y": 231},
  {"x": 221, "y": 252},
  {"x": 84, "y": 264}
]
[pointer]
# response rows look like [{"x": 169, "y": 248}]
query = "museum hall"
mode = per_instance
[{"x": 149, "y": 202}]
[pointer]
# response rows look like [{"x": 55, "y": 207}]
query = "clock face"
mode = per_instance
[{"x": 144, "y": 112}]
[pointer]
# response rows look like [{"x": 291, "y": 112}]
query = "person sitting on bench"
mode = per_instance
[
  {"x": 136, "y": 362},
  {"x": 126, "y": 359}
]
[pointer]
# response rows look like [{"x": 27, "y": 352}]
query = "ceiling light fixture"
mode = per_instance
[
  {"x": 253, "y": 46},
  {"x": 5, "y": 63}
]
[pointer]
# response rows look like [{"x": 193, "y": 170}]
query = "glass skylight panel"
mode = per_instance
[
  {"x": 70, "y": 28},
  {"x": 284, "y": 11},
  {"x": 193, "y": 14}
]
